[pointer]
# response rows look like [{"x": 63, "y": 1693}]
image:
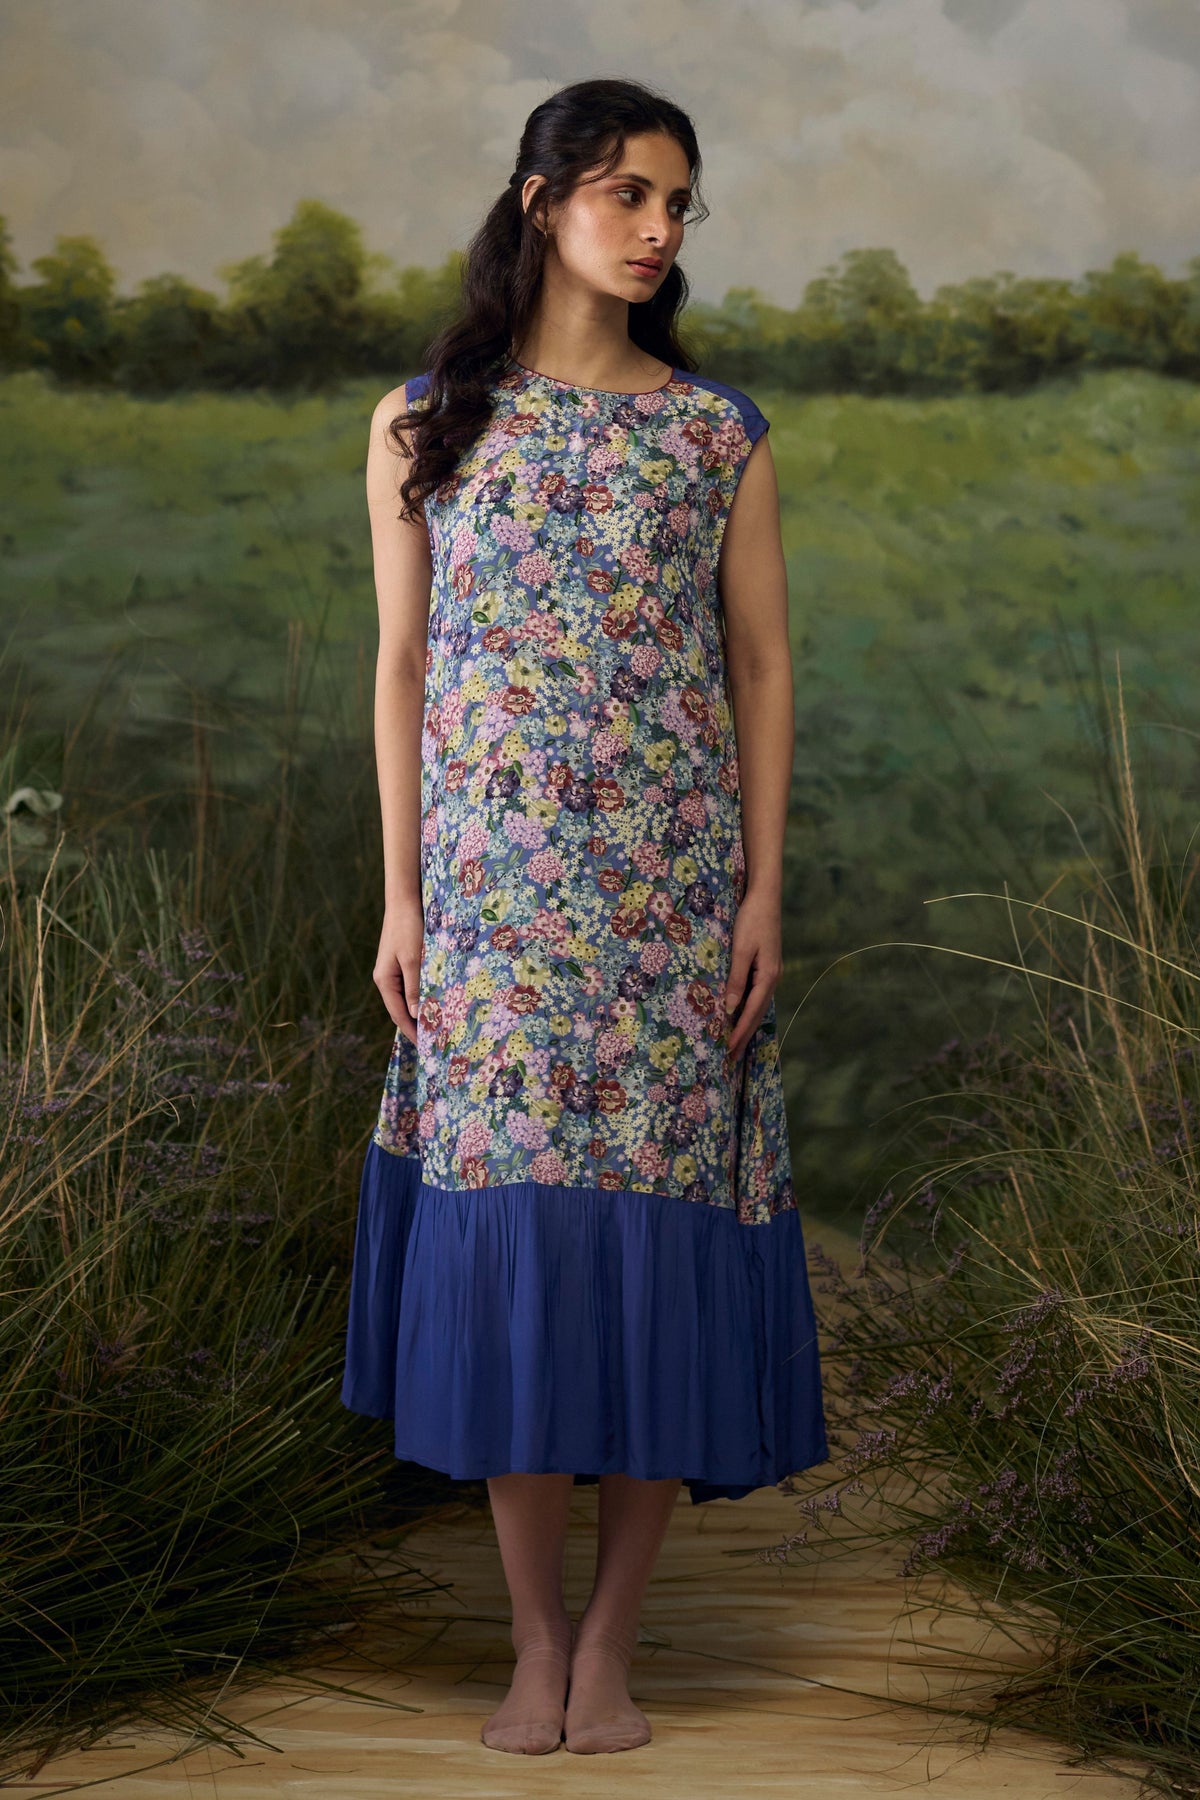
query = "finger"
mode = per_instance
[
  {"x": 753, "y": 1013},
  {"x": 412, "y": 988},
  {"x": 735, "y": 984},
  {"x": 391, "y": 990},
  {"x": 745, "y": 1028}
]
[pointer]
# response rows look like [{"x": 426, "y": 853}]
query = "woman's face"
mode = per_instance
[{"x": 610, "y": 222}]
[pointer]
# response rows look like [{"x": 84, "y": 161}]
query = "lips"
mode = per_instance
[{"x": 645, "y": 262}]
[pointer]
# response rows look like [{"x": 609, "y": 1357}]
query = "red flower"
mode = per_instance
[
  {"x": 679, "y": 929},
  {"x": 701, "y": 999},
  {"x": 609, "y": 794},
  {"x": 618, "y": 624},
  {"x": 693, "y": 703}
]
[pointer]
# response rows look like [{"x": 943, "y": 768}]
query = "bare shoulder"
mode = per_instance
[
  {"x": 393, "y": 402},
  {"x": 386, "y": 461}
]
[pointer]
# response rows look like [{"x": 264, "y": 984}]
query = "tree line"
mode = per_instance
[{"x": 322, "y": 308}]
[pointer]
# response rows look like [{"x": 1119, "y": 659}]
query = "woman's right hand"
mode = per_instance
[{"x": 397, "y": 972}]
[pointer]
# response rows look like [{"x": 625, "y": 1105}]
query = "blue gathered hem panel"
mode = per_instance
[{"x": 589, "y": 1331}]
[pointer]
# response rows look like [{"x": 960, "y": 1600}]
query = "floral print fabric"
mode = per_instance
[{"x": 581, "y": 850}]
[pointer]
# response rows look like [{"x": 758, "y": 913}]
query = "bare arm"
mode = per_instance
[
  {"x": 752, "y": 576},
  {"x": 403, "y": 579}
]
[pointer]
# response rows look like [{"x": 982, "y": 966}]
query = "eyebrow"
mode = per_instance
[{"x": 646, "y": 182}]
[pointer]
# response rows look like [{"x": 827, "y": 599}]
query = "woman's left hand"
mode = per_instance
[{"x": 757, "y": 956}]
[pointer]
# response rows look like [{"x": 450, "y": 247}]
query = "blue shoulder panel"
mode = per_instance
[
  {"x": 752, "y": 419},
  {"x": 415, "y": 386}
]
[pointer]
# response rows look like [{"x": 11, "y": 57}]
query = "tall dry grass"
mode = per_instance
[
  {"x": 1014, "y": 1366},
  {"x": 189, "y": 1046}
]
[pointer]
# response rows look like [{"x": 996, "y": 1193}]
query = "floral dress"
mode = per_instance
[{"x": 569, "y": 1172}]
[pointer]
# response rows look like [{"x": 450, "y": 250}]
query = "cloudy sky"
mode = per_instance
[{"x": 969, "y": 136}]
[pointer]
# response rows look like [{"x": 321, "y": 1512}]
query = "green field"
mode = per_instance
[{"x": 964, "y": 574}]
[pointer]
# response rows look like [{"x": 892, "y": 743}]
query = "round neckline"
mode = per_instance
[{"x": 579, "y": 388}]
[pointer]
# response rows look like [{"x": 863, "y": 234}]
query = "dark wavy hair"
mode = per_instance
[{"x": 581, "y": 127}]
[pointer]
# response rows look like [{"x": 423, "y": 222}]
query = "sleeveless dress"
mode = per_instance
[{"x": 578, "y": 1248}]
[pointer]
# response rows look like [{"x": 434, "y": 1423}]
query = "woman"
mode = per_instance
[{"x": 579, "y": 1255}]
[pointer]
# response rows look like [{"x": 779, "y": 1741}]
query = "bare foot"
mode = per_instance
[
  {"x": 529, "y": 1721},
  {"x": 600, "y": 1715}
]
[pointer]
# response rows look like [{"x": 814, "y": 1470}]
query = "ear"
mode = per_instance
[{"x": 528, "y": 190}]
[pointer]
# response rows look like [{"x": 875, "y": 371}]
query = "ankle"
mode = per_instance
[
  {"x": 550, "y": 1636},
  {"x": 612, "y": 1638}
]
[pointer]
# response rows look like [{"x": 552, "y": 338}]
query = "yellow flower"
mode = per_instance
[
  {"x": 654, "y": 468},
  {"x": 706, "y": 952},
  {"x": 546, "y": 1109},
  {"x": 637, "y": 893},
  {"x": 436, "y": 966},
  {"x": 685, "y": 1168},
  {"x": 513, "y": 747},
  {"x": 626, "y": 598},
  {"x": 480, "y": 986},
  {"x": 556, "y": 724},
  {"x": 544, "y": 811},
  {"x": 519, "y": 1044},
  {"x": 529, "y": 972},
  {"x": 685, "y": 869},
  {"x": 628, "y": 1026},
  {"x": 671, "y": 578},
  {"x": 560, "y": 1024},
  {"x": 475, "y": 687},
  {"x": 579, "y": 948},
  {"x": 622, "y": 728},
  {"x": 530, "y": 511},
  {"x": 522, "y": 671},
  {"x": 660, "y": 755},
  {"x": 496, "y": 905},
  {"x": 664, "y": 1052}
]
